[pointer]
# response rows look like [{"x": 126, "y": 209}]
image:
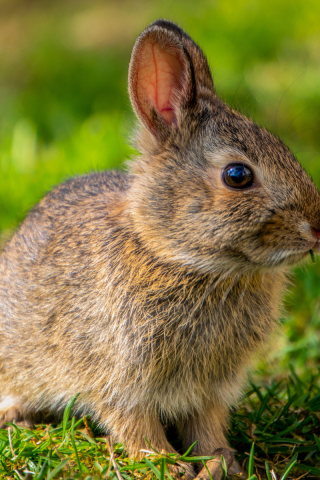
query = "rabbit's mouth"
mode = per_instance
[
  {"x": 315, "y": 245},
  {"x": 292, "y": 258},
  {"x": 309, "y": 241}
]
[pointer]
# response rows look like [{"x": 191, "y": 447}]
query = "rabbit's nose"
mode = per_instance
[{"x": 315, "y": 233}]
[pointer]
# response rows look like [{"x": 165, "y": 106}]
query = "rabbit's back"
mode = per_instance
[{"x": 50, "y": 271}]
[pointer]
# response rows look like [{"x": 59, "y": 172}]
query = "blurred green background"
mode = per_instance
[{"x": 64, "y": 107}]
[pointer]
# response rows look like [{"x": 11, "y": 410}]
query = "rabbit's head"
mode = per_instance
[{"x": 212, "y": 190}]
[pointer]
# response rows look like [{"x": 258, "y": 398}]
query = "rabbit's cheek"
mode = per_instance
[{"x": 212, "y": 179}]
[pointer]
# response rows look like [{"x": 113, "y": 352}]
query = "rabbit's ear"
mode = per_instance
[{"x": 167, "y": 73}]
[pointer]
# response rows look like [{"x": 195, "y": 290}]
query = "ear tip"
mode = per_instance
[
  {"x": 163, "y": 28},
  {"x": 173, "y": 29},
  {"x": 165, "y": 24}
]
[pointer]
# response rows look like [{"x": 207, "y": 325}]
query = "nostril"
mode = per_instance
[{"x": 315, "y": 233}]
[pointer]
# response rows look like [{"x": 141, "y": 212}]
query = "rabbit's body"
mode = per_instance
[
  {"x": 149, "y": 293},
  {"x": 132, "y": 330}
]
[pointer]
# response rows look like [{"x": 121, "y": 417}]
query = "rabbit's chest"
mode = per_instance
[
  {"x": 194, "y": 344},
  {"x": 203, "y": 355},
  {"x": 192, "y": 369},
  {"x": 213, "y": 337}
]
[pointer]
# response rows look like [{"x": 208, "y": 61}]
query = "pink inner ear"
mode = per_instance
[{"x": 159, "y": 79}]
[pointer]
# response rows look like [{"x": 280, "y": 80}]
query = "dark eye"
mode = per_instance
[{"x": 238, "y": 176}]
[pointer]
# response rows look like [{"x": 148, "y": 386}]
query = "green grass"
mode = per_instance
[
  {"x": 282, "y": 420},
  {"x": 276, "y": 428}
]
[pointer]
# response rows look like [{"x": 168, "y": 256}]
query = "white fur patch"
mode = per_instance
[{"x": 9, "y": 401}]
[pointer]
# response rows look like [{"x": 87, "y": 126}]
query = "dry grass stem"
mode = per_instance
[
  {"x": 14, "y": 456},
  {"x": 112, "y": 458}
]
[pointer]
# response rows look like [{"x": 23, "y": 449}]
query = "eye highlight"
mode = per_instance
[{"x": 238, "y": 175}]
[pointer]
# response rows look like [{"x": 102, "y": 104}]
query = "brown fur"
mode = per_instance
[{"x": 151, "y": 292}]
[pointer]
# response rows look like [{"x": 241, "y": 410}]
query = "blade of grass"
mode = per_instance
[
  {"x": 43, "y": 470},
  {"x": 189, "y": 449},
  {"x": 57, "y": 469},
  {"x": 307, "y": 468},
  {"x": 251, "y": 461},
  {"x": 66, "y": 414},
  {"x": 262, "y": 407},
  {"x": 19, "y": 474},
  {"x": 152, "y": 467},
  {"x": 224, "y": 468},
  {"x": 150, "y": 446},
  {"x": 205, "y": 466},
  {"x": 194, "y": 459},
  {"x": 312, "y": 256},
  {"x": 317, "y": 440},
  {"x": 98, "y": 466},
  {"x": 74, "y": 445},
  {"x": 287, "y": 470},
  {"x": 268, "y": 471},
  {"x": 170, "y": 477},
  {"x": 163, "y": 464},
  {"x": 132, "y": 467}
]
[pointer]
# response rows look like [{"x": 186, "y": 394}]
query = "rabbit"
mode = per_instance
[{"x": 151, "y": 292}]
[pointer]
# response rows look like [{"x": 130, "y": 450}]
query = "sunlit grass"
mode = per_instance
[{"x": 281, "y": 420}]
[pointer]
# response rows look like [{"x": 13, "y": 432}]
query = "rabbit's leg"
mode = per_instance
[
  {"x": 134, "y": 428},
  {"x": 208, "y": 429}
]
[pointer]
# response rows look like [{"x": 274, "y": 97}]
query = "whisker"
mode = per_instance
[
  {"x": 283, "y": 95},
  {"x": 294, "y": 118},
  {"x": 236, "y": 91}
]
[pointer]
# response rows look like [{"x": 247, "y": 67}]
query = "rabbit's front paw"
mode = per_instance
[{"x": 182, "y": 470}]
